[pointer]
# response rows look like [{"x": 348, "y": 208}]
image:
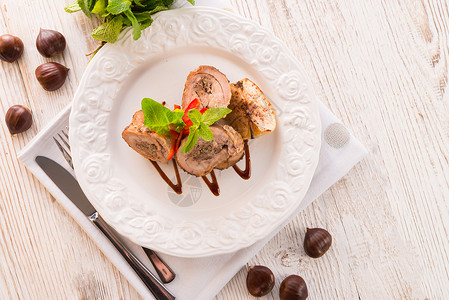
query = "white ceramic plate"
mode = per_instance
[{"x": 126, "y": 189}]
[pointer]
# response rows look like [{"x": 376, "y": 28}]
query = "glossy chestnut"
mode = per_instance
[
  {"x": 293, "y": 288},
  {"x": 50, "y": 42},
  {"x": 11, "y": 48},
  {"x": 51, "y": 75},
  {"x": 18, "y": 119},
  {"x": 316, "y": 242},
  {"x": 260, "y": 281}
]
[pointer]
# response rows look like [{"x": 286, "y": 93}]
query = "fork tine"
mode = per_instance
[
  {"x": 65, "y": 134},
  {"x": 64, "y": 152},
  {"x": 64, "y": 140}
]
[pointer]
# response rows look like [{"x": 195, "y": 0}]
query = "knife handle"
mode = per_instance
[
  {"x": 165, "y": 273},
  {"x": 154, "y": 285}
]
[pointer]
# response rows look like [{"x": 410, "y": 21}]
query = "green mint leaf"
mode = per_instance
[
  {"x": 191, "y": 139},
  {"x": 109, "y": 31},
  {"x": 136, "y": 26},
  {"x": 167, "y": 2},
  {"x": 92, "y": 4},
  {"x": 72, "y": 7},
  {"x": 158, "y": 9},
  {"x": 116, "y": 7},
  {"x": 195, "y": 116},
  {"x": 192, "y": 2},
  {"x": 139, "y": 3},
  {"x": 100, "y": 7},
  {"x": 126, "y": 22},
  {"x": 84, "y": 6},
  {"x": 143, "y": 16},
  {"x": 214, "y": 114},
  {"x": 178, "y": 122},
  {"x": 145, "y": 24},
  {"x": 157, "y": 117},
  {"x": 151, "y": 4},
  {"x": 205, "y": 132}
]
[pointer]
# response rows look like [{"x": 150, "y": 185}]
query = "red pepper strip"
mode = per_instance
[
  {"x": 203, "y": 110},
  {"x": 187, "y": 120},
  {"x": 176, "y": 106},
  {"x": 194, "y": 104},
  {"x": 173, "y": 149}
]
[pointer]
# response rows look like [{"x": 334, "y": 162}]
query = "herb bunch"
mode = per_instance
[
  {"x": 179, "y": 123},
  {"x": 120, "y": 14}
]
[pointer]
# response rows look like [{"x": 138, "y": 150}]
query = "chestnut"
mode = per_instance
[
  {"x": 260, "y": 281},
  {"x": 293, "y": 288},
  {"x": 18, "y": 119},
  {"x": 316, "y": 242},
  {"x": 50, "y": 42},
  {"x": 51, "y": 75},
  {"x": 11, "y": 48}
]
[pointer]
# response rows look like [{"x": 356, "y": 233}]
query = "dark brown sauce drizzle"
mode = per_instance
[
  {"x": 213, "y": 186},
  {"x": 245, "y": 174},
  {"x": 176, "y": 187}
]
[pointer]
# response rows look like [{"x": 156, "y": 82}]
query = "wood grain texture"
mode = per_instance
[{"x": 380, "y": 66}]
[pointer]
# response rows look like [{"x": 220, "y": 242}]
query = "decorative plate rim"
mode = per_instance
[{"x": 300, "y": 134}]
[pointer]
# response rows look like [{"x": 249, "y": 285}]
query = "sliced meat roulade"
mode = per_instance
[
  {"x": 145, "y": 142},
  {"x": 208, "y": 85},
  {"x": 252, "y": 113},
  {"x": 223, "y": 151}
]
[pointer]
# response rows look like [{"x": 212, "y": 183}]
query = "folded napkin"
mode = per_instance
[{"x": 200, "y": 278}]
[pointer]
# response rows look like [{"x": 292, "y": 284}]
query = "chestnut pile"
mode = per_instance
[
  {"x": 260, "y": 279},
  {"x": 50, "y": 75}
]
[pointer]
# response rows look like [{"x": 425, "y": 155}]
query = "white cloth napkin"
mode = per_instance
[{"x": 199, "y": 278}]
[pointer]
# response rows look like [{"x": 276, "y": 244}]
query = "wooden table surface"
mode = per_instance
[{"x": 380, "y": 66}]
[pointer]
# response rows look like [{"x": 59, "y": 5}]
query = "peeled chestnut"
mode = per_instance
[
  {"x": 316, "y": 242},
  {"x": 18, "y": 119},
  {"x": 51, "y": 75},
  {"x": 293, "y": 288},
  {"x": 50, "y": 42},
  {"x": 11, "y": 48},
  {"x": 260, "y": 281}
]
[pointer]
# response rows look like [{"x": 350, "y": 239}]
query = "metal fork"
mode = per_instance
[{"x": 165, "y": 273}]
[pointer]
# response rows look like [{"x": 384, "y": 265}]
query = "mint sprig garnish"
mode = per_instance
[
  {"x": 119, "y": 14},
  {"x": 159, "y": 118},
  {"x": 162, "y": 120},
  {"x": 201, "y": 123}
]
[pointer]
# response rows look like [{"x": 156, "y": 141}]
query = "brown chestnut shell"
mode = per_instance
[
  {"x": 18, "y": 119},
  {"x": 260, "y": 281},
  {"x": 293, "y": 288},
  {"x": 50, "y": 42},
  {"x": 11, "y": 48},
  {"x": 51, "y": 75},
  {"x": 316, "y": 242}
]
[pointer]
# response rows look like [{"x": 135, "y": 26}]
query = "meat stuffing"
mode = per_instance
[
  {"x": 145, "y": 142},
  {"x": 222, "y": 152},
  {"x": 208, "y": 85}
]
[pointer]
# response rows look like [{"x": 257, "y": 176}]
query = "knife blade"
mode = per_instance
[
  {"x": 71, "y": 188},
  {"x": 66, "y": 183}
]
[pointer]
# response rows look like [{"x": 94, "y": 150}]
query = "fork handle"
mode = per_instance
[
  {"x": 154, "y": 285},
  {"x": 165, "y": 273}
]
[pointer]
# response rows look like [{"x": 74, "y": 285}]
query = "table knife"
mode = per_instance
[{"x": 71, "y": 188}]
